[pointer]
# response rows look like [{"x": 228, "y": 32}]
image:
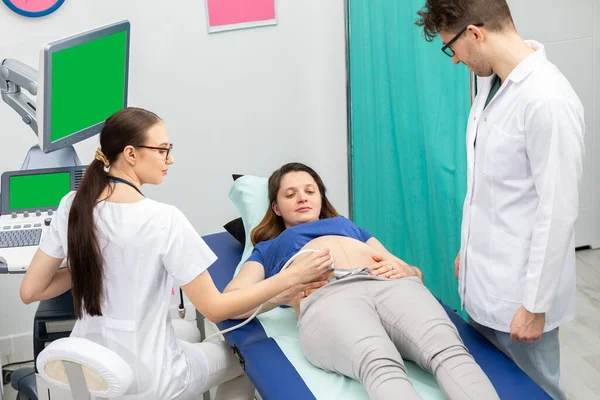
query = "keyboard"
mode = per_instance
[{"x": 21, "y": 237}]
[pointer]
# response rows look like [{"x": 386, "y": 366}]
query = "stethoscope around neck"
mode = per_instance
[
  {"x": 113, "y": 179},
  {"x": 116, "y": 179}
]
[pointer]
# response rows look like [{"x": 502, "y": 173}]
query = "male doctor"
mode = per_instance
[{"x": 516, "y": 265}]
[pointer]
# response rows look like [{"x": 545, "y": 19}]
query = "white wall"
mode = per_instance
[
  {"x": 569, "y": 30},
  {"x": 239, "y": 102}
]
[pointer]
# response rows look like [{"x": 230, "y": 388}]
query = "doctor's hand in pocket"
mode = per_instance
[
  {"x": 457, "y": 265},
  {"x": 527, "y": 326}
]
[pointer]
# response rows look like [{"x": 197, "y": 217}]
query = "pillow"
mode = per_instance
[
  {"x": 236, "y": 229},
  {"x": 250, "y": 196}
]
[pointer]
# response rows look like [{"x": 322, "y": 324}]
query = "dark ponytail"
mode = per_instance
[{"x": 127, "y": 127}]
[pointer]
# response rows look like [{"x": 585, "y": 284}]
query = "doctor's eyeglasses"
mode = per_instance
[
  {"x": 447, "y": 49},
  {"x": 161, "y": 150}
]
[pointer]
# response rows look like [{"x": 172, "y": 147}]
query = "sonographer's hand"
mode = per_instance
[{"x": 308, "y": 267}]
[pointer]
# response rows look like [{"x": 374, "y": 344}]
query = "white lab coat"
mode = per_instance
[
  {"x": 146, "y": 246},
  {"x": 524, "y": 154}
]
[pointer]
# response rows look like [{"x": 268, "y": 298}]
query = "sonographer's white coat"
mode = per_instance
[
  {"x": 239, "y": 102},
  {"x": 146, "y": 246}
]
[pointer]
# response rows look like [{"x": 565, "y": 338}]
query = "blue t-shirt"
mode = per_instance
[{"x": 274, "y": 253}]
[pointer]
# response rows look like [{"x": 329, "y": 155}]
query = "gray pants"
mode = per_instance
[
  {"x": 358, "y": 326},
  {"x": 540, "y": 360}
]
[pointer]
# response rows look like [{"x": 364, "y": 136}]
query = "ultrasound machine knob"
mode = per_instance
[{"x": 47, "y": 221}]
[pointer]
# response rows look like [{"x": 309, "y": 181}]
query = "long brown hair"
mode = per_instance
[
  {"x": 454, "y": 15},
  {"x": 272, "y": 225},
  {"x": 127, "y": 127}
]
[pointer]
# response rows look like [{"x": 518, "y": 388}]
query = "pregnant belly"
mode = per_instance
[{"x": 347, "y": 253}]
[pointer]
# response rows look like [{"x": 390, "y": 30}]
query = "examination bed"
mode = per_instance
[{"x": 267, "y": 360}]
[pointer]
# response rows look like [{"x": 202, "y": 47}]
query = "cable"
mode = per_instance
[
  {"x": 181, "y": 309},
  {"x": 17, "y": 363},
  {"x": 287, "y": 264}
]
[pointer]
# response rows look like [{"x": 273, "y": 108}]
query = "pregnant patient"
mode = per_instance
[{"x": 371, "y": 312}]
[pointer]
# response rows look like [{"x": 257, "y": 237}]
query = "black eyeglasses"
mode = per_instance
[
  {"x": 166, "y": 149},
  {"x": 447, "y": 49}
]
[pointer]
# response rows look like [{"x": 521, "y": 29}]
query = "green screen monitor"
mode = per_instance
[
  {"x": 31, "y": 192},
  {"x": 83, "y": 81},
  {"x": 37, "y": 189}
]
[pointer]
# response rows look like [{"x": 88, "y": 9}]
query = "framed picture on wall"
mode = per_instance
[{"x": 226, "y": 15}]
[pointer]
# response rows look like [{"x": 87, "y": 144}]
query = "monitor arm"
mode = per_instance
[{"x": 15, "y": 75}]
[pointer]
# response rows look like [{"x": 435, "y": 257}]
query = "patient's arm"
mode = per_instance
[
  {"x": 217, "y": 306},
  {"x": 253, "y": 272},
  {"x": 381, "y": 265}
]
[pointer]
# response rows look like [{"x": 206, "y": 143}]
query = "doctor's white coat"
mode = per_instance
[{"x": 524, "y": 154}]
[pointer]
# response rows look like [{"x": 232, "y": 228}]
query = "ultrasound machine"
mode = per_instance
[
  {"x": 82, "y": 80},
  {"x": 29, "y": 199}
]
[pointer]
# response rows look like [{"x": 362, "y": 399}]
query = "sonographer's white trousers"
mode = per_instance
[{"x": 224, "y": 372}]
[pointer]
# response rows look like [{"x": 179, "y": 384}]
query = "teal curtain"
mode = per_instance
[{"x": 409, "y": 108}]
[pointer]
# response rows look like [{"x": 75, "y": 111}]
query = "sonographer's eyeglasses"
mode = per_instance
[{"x": 161, "y": 150}]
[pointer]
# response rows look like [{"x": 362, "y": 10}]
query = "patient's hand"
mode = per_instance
[
  {"x": 393, "y": 268},
  {"x": 293, "y": 296}
]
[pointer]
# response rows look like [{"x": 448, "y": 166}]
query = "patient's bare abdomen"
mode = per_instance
[{"x": 347, "y": 253}]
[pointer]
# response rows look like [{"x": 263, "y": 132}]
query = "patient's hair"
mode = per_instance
[
  {"x": 454, "y": 15},
  {"x": 272, "y": 225},
  {"x": 127, "y": 127}
]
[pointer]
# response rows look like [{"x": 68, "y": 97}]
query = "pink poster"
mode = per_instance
[{"x": 236, "y": 14}]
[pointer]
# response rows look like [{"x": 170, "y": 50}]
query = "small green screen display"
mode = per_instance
[
  {"x": 88, "y": 84},
  {"x": 33, "y": 192}
]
